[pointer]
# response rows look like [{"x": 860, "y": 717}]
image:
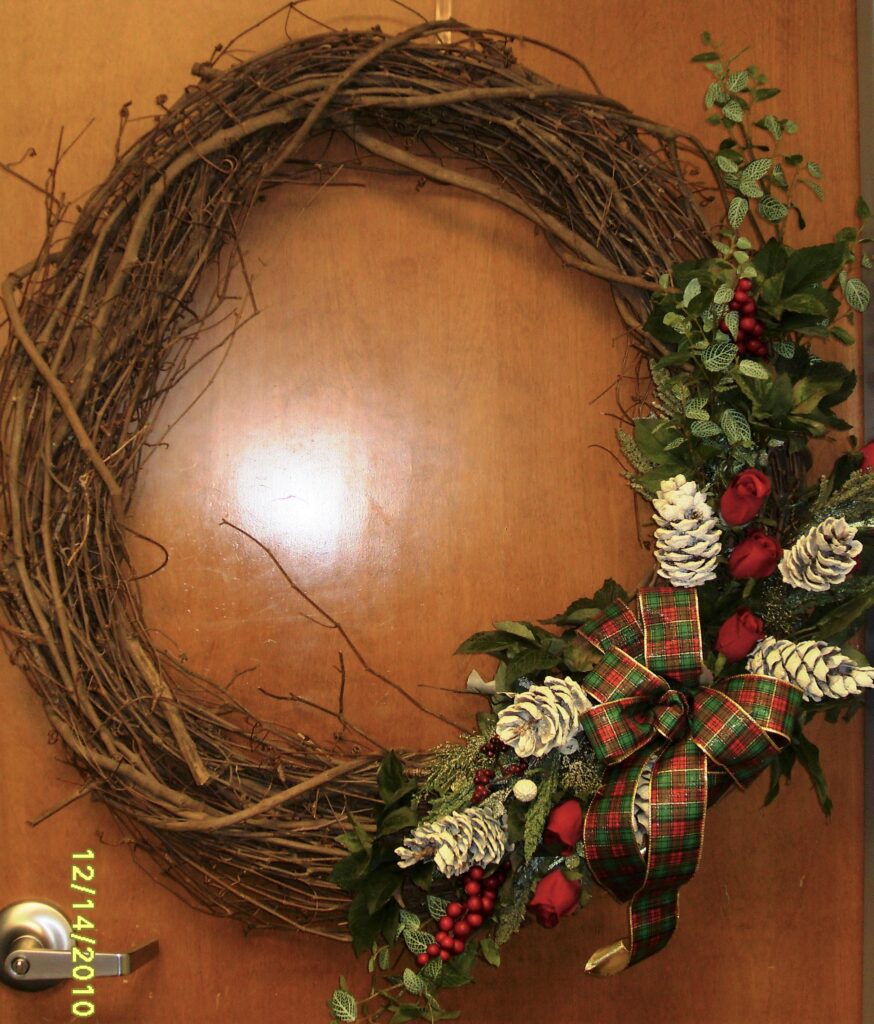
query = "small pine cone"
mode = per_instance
[
  {"x": 459, "y": 840},
  {"x": 823, "y": 558},
  {"x": 545, "y": 717},
  {"x": 689, "y": 537},
  {"x": 820, "y": 669}
]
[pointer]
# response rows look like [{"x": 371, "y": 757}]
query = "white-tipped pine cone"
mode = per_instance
[
  {"x": 689, "y": 537},
  {"x": 823, "y": 558},
  {"x": 544, "y": 717},
  {"x": 457, "y": 841},
  {"x": 820, "y": 669}
]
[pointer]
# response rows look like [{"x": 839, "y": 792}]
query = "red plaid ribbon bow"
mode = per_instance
[{"x": 651, "y": 706}]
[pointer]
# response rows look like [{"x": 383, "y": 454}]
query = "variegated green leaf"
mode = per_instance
[
  {"x": 691, "y": 291},
  {"x": 757, "y": 169},
  {"x": 732, "y": 322},
  {"x": 705, "y": 428},
  {"x": 432, "y": 970},
  {"x": 772, "y": 125},
  {"x": 725, "y": 163},
  {"x": 412, "y": 982},
  {"x": 343, "y": 1006},
  {"x": 772, "y": 209},
  {"x": 750, "y": 188},
  {"x": 696, "y": 409},
  {"x": 737, "y": 211},
  {"x": 738, "y": 80},
  {"x": 724, "y": 293},
  {"x": 784, "y": 348},
  {"x": 857, "y": 294},
  {"x": 733, "y": 111},
  {"x": 436, "y": 907},
  {"x": 735, "y": 427},
  {"x": 719, "y": 356},
  {"x": 417, "y": 942},
  {"x": 753, "y": 368}
]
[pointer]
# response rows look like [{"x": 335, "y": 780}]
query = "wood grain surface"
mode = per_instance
[{"x": 418, "y": 424}]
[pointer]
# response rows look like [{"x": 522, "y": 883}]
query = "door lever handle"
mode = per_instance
[{"x": 37, "y": 949}]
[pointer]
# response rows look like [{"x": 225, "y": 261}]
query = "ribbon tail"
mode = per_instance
[{"x": 678, "y": 805}]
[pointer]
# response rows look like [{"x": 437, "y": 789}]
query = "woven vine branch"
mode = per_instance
[{"x": 242, "y": 815}]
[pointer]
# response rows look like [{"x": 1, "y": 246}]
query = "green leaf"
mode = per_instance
[
  {"x": 696, "y": 409},
  {"x": 703, "y": 58},
  {"x": 735, "y": 427},
  {"x": 732, "y": 322},
  {"x": 733, "y": 111},
  {"x": 808, "y": 757},
  {"x": 724, "y": 293},
  {"x": 691, "y": 291},
  {"x": 397, "y": 820},
  {"x": 538, "y": 812},
  {"x": 839, "y": 334},
  {"x": 756, "y": 169},
  {"x": 814, "y": 187},
  {"x": 719, "y": 356},
  {"x": 765, "y": 94},
  {"x": 753, "y": 368},
  {"x": 784, "y": 348},
  {"x": 813, "y": 169},
  {"x": 412, "y": 982},
  {"x": 520, "y": 629},
  {"x": 771, "y": 259},
  {"x": 491, "y": 953},
  {"x": 728, "y": 162},
  {"x": 437, "y": 907},
  {"x": 348, "y": 872},
  {"x": 750, "y": 188},
  {"x": 863, "y": 210},
  {"x": 343, "y": 1006},
  {"x": 857, "y": 294},
  {"x": 772, "y": 209},
  {"x": 738, "y": 208},
  {"x": 738, "y": 80},
  {"x": 417, "y": 942},
  {"x": 705, "y": 428},
  {"x": 432, "y": 970},
  {"x": 772, "y": 125},
  {"x": 812, "y": 265},
  {"x": 410, "y": 920},
  {"x": 391, "y": 779},
  {"x": 380, "y": 886}
]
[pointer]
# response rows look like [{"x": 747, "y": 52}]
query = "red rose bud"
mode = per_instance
[
  {"x": 555, "y": 897},
  {"x": 744, "y": 497},
  {"x": 868, "y": 456},
  {"x": 564, "y": 826},
  {"x": 755, "y": 557},
  {"x": 739, "y": 634}
]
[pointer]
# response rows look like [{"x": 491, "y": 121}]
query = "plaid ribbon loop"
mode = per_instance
[{"x": 653, "y": 713}]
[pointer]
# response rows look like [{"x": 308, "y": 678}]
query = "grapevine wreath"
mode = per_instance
[{"x": 608, "y": 729}]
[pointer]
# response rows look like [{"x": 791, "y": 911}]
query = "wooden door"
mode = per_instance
[{"x": 427, "y": 360}]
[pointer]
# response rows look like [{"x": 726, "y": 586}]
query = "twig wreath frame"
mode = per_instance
[
  {"x": 101, "y": 324},
  {"x": 609, "y": 734}
]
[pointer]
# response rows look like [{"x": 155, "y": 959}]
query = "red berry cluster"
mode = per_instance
[
  {"x": 483, "y": 778},
  {"x": 749, "y": 339},
  {"x": 461, "y": 919},
  {"x": 481, "y": 784}
]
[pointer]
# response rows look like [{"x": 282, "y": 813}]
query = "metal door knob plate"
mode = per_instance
[{"x": 36, "y": 948}]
